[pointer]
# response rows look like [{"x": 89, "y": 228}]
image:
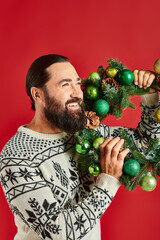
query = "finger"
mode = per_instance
[
  {"x": 135, "y": 72},
  {"x": 105, "y": 152},
  {"x": 106, "y": 141},
  {"x": 111, "y": 143},
  {"x": 116, "y": 149},
  {"x": 150, "y": 79},
  {"x": 145, "y": 79},
  {"x": 102, "y": 146},
  {"x": 120, "y": 161},
  {"x": 112, "y": 155},
  {"x": 118, "y": 145},
  {"x": 108, "y": 148},
  {"x": 117, "y": 168},
  {"x": 123, "y": 154},
  {"x": 140, "y": 78}
]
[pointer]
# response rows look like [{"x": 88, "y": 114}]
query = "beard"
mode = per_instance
[{"x": 63, "y": 119}]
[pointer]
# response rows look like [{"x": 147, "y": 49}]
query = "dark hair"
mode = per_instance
[{"x": 37, "y": 75}]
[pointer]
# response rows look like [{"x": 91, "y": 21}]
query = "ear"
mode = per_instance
[{"x": 37, "y": 95}]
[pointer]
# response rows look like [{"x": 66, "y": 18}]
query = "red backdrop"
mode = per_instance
[{"x": 89, "y": 33}]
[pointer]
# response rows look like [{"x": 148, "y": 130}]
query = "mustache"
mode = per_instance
[{"x": 74, "y": 100}]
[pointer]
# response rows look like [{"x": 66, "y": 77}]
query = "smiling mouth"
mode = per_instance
[{"x": 73, "y": 106}]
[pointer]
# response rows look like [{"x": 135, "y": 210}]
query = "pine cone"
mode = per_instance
[
  {"x": 112, "y": 82},
  {"x": 92, "y": 120}
]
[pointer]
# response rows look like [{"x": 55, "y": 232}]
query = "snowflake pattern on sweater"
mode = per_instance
[{"x": 45, "y": 188}]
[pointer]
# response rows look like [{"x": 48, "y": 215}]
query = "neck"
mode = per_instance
[{"x": 40, "y": 124}]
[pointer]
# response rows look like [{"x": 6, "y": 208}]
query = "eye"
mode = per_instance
[
  {"x": 79, "y": 83},
  {"x": 65, "y": 84}
]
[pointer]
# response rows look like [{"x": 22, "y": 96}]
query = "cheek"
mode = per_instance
[
  {"x": 82, "y": 96},
  {"x": 62, "y": 99},
  {"x": 60, "y": 96}
]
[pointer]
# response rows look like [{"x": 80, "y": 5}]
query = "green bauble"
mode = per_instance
[
  {"x": 97, "y": 142},
  {"x": 131, "y": 167},
  {"x": 111, "y": 72},
  {"x": 157, "y": 66},
  {"x": 148, "y": 183},
  {"x": 91, "y": 92},
  {"x": 94, "y": 169},
  {"x": 125, "y": 77},
  {"x": 95, "y": 79},
  {"x": 157, "y": 116},
  {"x": 83, "y": 148},
  {"x": 101, "y": 107},
  {"x": 94, "y": 76}
]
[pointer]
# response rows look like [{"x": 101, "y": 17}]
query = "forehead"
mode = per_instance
[{"x": 62, "y": 70}]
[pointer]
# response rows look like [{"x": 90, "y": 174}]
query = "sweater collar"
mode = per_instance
[{"x": 43, "y": 135}]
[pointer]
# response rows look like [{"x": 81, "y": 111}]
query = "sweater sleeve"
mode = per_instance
[
  {"x": 29, "y": 196},
  {"x": 147, "y": 128}
]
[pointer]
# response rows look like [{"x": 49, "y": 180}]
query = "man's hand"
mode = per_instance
[
  {"x": 111, "y": 159},
  {"x": 144, "y": 79}
]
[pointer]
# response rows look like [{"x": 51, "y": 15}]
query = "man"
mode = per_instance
[{"x": 49, "y": 197}]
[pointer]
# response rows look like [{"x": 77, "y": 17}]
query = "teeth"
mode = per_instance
[{"x": 72, "y": 104}]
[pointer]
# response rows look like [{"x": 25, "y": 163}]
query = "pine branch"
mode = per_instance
[
  {"x": 152, "y": 146},
  {"x": 86, "y": 134},
  {"x": 139, "y": 157},
  {"x": 114, "y": 63},
  {"x": 154, "y": 171},
  {"x": 116, "y": 111},
  {"x": 131, "y": 183},
  {"x": 101, "y": 71},
  {"x": 128, "y": 141},
  {"x": 134, "y": 90},
  {"x": 110, "y": 94},
  {"x": 84, "y": 165},
  {"x": 136, "y": 180},
  {"x": 126, "y": 181},
  {"x": 131, "y": 105},
  {"x": 119, "y": 100}
]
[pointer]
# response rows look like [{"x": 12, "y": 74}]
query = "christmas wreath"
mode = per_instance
[{"x": 108, "y": 92}]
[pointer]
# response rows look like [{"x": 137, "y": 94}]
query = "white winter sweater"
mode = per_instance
[{"x": 48, "y": 195}]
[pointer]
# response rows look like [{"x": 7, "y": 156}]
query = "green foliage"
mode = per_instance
[
  {"x": 83, "y": 82},
  {"x": 132, "y": 183},
  {"x": 85, "y": 161},
  {"x": 128, "y": 142},
  {"x": 154, "y": 144},
  {"x": 149, "y": 160},
  {"x": 92, "y": 156},
  {"x": 156, "y": 83},
  {"x": 114, "y": 63},
  {"x": 101, "y": 71},
  {"x": 86, "y": 134},
  {"x": 139, "y": 156},
  {"x": 119, "y": 100}
]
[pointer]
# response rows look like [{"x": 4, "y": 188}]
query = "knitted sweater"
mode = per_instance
[{"x": 48, "y": 195}]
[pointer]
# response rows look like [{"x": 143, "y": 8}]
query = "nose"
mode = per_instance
[{"x": 76, "y": 92}]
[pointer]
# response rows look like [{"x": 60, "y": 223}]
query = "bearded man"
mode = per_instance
[{"x": 47, "y": 193}]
